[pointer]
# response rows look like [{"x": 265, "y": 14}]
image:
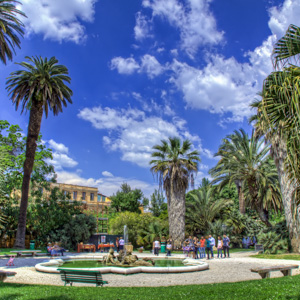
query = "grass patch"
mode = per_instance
[
  {"x": 292, "y": 256},
  {"x": 273, "y": 288},
  {"x": 7, "y": 251}
]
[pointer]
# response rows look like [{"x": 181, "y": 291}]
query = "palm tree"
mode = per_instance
[
  {"x": 40, "y": 87},
  {"x": 247, "y": 160},
  {"x": 10, "y": 29},
  {"x": 175, "y": 168},
  {"x": 203, "y": 209},
  {"x": 278, "y": 119}
]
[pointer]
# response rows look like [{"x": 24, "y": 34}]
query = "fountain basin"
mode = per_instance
[{"x": 190, "y": 265}]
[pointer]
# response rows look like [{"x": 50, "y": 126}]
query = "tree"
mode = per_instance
[
  {"x": 248, "y": 161},
  {"x": 203, "y": 209},
  {"x": 175, "y": 168},
  {"x": 158, "y": 204},
  {"x": 278, "y": 119},
  {"x": 127, "y": 199},
  {"x": 10, "y": 28},
  {"x": 40, "y": 87}
]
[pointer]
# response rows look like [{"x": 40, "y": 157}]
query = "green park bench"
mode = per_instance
[
  {"x": 286, "y": 270},
  {"x": 69, "y": 276}
]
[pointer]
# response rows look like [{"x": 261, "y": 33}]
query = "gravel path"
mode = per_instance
[{"x": 235, "y": 268}]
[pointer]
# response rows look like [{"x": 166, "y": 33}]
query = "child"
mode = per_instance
[
  {"x": 169, "y": 247},
  {"x": 220, "y": 246}
]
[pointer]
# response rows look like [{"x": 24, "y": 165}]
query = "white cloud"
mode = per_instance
[
  {"x": 58, "y": 20},
  {"x": 60, "y": 159},
  {"x": 282, "y": 16},
  {"x": 224, "y": 85},
  {"x": 138, "y": 133},
  {"x": 107, "y": 174},
  {"x": 195, "y": 22},
  {"x": 58, "y": 147},
  {"x": 142, "y": 27},
  {"x": 124, "y": 65},
  {"x": 149, "y": 65}
]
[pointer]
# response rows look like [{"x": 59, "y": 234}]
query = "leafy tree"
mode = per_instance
[
  {"x": 247, "y": 160},
  {"x": 10, "y": 28},
  {"x": 127, "y": 199},
  {"x": 40, "y": 87},
  {"x": 175, "y": 166},
  {"x": 77, "y": 230},
  {"x": 158, "y": 204},
  {"x": 139, "y": 226}
]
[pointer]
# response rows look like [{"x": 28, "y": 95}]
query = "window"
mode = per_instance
[
  {"x": 103, "y": 198},
  {"x": 75, "y": 195},
  {"x": 83, "y": 195},
  {"x": 99, "y": 198},
  {"x": 92, "y": 197}
]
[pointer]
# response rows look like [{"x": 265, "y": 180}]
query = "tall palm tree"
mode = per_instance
[
  {"x": 175, "y": 167},
  {"x": 39, "y": 87},
  {"x": 10, "y": 28},
  {"x": 278, "y": 119},
  {"x": 247, "y": 160}
]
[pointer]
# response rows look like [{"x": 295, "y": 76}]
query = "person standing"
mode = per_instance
[
  {"x": 207, "y": 246},
  {"x": 169, "y": 246},
  {"x": 212, "y": 245},
  {"x": 121, "y": 243},
  {"x": 118, "y": 244},
  {"x": 226, "y": 242},
  {"x": 202, "y": 247},
  {"x": 156, "y": 246},
  {"x": 220, "y": 246}
]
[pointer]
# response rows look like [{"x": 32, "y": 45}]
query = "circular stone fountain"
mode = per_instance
[{"x": 189, "y": 265}]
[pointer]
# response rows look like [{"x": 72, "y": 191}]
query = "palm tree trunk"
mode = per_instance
[
  {"x": 35, "y": 119},
  {"x": 177, "y": 216},
  {"x": 287, "y": 188},
  {"x": 242, "y": 205}
]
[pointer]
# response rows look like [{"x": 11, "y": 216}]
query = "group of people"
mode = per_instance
[
  {"x": 198, "y": 247},
  {"x": 157, "y": 245},
  {"x": 247, "y": 241},
  {"x": 54, "y": 249}
]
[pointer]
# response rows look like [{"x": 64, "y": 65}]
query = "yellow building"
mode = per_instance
[{"x": 89, "y": 196}]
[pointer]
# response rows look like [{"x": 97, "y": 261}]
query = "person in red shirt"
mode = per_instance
[{"x": 202, "y": 247}]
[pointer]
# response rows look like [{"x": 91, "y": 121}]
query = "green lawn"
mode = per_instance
[
  {"x": 273, "y": 288},
  {"x": 7, "y": 251},
  {"x": 292, "y": 256}
]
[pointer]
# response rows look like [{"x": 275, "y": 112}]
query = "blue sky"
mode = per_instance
[{"x": 144, "y": 70}]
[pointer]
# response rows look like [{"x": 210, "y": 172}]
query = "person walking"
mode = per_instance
[
  {"x": 207, "y": 246},
  {"x": 156, "y": 246},
  {"x": 202, "y": 247},
  {"x": 220, "y": 246},
  {"x": 212, "y": 245},
  {"x": 226, "y": 242}
]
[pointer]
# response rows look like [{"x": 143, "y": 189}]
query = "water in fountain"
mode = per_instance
[{"x": 125, "y": 237}]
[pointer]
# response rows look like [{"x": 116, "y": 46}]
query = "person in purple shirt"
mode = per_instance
[{"x": 226, "y": 242}]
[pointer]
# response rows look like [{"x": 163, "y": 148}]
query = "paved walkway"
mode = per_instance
[{"x": 235, "y": 268}]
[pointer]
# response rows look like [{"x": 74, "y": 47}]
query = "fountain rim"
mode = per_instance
[{"x": 193, "y": 265}]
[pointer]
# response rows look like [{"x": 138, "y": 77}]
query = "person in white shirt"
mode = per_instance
[
  {"x": 212, "y": 245},
  {"x": 156, "y": 246}
]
